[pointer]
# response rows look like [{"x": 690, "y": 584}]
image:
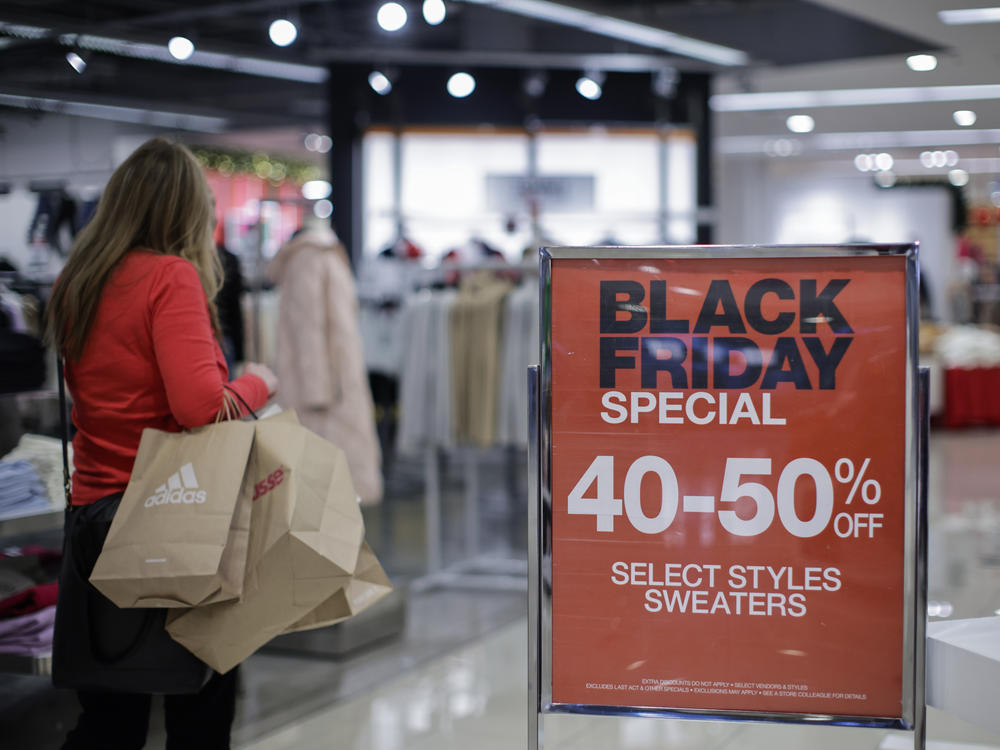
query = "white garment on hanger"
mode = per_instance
[{"x": 519, "y": 350}]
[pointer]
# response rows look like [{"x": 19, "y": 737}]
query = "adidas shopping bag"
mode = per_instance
[
  {"x": 306, "y": 550},
  {"x": 180, "y": 535}
]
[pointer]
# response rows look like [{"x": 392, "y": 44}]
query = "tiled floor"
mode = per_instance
[
  {"x": 476, "y": 696},
  {"x": 458, "y": 676}
]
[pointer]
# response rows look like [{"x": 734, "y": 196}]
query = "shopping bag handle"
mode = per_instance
[{"x": 239, "y": 398}]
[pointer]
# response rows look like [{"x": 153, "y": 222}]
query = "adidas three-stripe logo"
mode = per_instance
[{"x": 181, "y": 487}]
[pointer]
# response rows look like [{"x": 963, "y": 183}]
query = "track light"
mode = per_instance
[
  {"x": 921, "y": 63},
  {"x": 282, "y": 32},
  {"x": 434, "y": 11},
  {"x": 589, "y": 86},
  {"x": 460, "y": 85},
  {"x": 964, "y": 118},
  {"x": 379, "y": 82},
  {"x": 535, "y": 83},
  {"x": 391, "y": 16},
  {"x": 800, "y": 123},
  {"x": 180, "y": 47},
  {"x": 664, "y": 83},
  {"x": 76, "y": 62}
]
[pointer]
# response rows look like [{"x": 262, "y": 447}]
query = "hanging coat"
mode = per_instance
[{"x": 320, "y": 363}]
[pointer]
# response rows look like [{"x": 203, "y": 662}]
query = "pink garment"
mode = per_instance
[
  {"x": 28, "y": 635},
  {"x": 320, "y": 364}
]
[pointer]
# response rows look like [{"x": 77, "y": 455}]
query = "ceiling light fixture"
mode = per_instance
[
  {"x": 391, "y": 16},
  {"x": 160, "y": 118},
  {"x": 921, "y": 63},
  {"x": 800, "y": 123},
  {"x": 961, "y": 16},
  {"x": 589, "y": 86},
  {"x": 885, "y": 179},
  {"x": 616, "y": 28},
  {"x": 851, "y": 97},
  {"x": 958, "y": 177},
  {"x": 315, "y": 190},
  {"x": 180, "y": 47},
  {"x": 379, "y": 82},
  {"x": 664, "y": 82},
  {"x": 964, "y": 118},
  {"x": 434, "y": 11},
  {"x": 323, "y": 209},
  {"x": 76, "y": 62},
  {"x": 460, "y": 85},
  {"x": 535, "y": 83},
  {"x": 282, "y": 32}
]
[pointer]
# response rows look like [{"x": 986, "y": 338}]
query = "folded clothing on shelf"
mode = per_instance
[
  {"x": 29, "y": 600},
  {"x": 28, "y": 635},
  {"x": 45, "y": 455},
  {"x": 21, "y": 489}
]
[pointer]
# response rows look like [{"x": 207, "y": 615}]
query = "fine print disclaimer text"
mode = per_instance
[{"x": 710, "y": 687}]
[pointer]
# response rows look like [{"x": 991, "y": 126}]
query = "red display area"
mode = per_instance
[
  {"x": 972, "y": 397},
  {"x": 728, "y": 484},
  {"x": 237, "y": 200}
]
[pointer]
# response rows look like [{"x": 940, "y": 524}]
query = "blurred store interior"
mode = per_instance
[{"x": 445, "y": 139}]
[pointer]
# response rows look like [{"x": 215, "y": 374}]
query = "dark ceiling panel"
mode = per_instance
[
  {"x": 783, "y": 32},
  {"x": 778, "y": 31}
]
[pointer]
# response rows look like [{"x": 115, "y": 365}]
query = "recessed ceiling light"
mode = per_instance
[
  {"x": 964, "y": 117},
  {"x": 282, "y": 32},
  {"x": 800, "y": 123},
  {"x": 391, "y": 16},
  {"x": 958, "y": 177},
  {"x": 460, "y": 85},
  {"x": 969, "y": 15},
  {"x": 180, "y": 47},
  {"x": 315, "y": 190},
  {"x": 921, "y": 63},
  {"x": 434, "y": 11}
]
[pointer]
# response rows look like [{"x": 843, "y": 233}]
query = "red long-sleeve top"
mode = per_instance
[{"x": 151, "y": 360}]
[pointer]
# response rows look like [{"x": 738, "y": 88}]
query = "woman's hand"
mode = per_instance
[{"x": 264, "y": 373}]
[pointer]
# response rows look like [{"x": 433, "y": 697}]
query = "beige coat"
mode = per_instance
[{"x": 320, "y": 365}]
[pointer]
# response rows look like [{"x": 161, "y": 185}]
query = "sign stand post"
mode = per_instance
[{"x": 728, "y": 455}]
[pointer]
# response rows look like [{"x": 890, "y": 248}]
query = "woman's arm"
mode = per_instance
[{"x": 187, "y": 355}]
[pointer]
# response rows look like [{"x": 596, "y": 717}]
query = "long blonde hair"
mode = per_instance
[{"x": 158, "y": 199}]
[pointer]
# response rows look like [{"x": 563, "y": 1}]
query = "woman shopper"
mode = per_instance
[{"x": 133, "y": 317}]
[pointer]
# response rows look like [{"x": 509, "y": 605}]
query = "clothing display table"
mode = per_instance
[{"x": 972, "y": 397}]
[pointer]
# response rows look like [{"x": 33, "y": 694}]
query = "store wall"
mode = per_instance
[
  {"x": 804, "y": 202},
  {"x": 47, "y": 148}
]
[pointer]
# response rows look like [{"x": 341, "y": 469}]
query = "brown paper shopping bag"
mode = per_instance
[
  {"x": 305, "y": 538},
  {"x": 180, "y": 535},
  {"x": 368, "y": 584}
]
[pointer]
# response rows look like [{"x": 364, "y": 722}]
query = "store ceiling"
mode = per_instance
[{"x": 789, "y": 45}]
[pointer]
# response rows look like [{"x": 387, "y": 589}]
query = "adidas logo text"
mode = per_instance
[{"x": 181, "y": 487}]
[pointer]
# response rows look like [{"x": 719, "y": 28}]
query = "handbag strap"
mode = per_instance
[
  {"x": 246, "y": 406},
  {"x": 64, "y": 422}
]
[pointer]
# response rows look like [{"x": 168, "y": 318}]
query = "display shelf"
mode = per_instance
[
  {"x": 23, "y": 522},
  {"x": 41, "y": 664}
]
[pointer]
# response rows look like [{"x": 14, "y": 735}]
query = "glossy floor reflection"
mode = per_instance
[{"x": 476, "y": 696}]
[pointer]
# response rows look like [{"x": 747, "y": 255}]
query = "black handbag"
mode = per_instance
[{"x": 97, "y": 645}]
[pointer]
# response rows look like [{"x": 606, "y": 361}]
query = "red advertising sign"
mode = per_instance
[{"x": 728, "y": 463}]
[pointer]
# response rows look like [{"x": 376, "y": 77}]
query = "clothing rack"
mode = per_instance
[{"x": 476, "y": 569}]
